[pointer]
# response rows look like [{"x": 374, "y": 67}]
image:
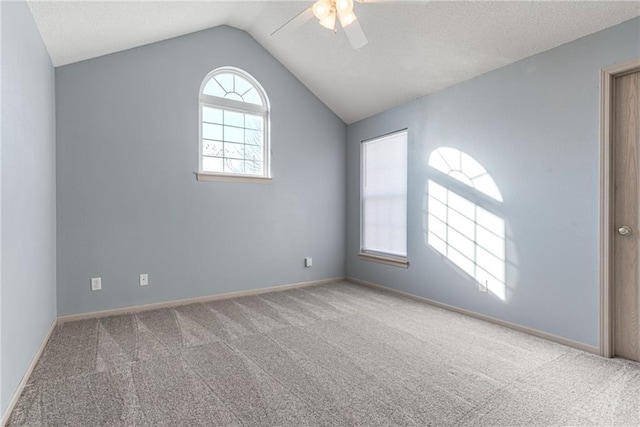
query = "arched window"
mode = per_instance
[
  {"x": 234, "y": 126},
  {"x": 470, "y": 236}
]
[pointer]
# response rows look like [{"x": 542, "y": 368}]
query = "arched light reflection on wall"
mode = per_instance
[
  {"x": 466, "y": 169},
  {"x": 468, "y": 235}
]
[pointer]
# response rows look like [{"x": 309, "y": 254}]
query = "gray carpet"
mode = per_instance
[{"x": 335, "y": 354}]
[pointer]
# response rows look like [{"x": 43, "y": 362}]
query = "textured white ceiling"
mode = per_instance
[{"x": 415, "y": 48}]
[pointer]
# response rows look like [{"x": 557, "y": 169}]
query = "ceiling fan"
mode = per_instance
[{"x": 328, "y": 12}]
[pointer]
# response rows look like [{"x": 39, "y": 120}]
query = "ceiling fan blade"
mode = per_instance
[
  {"x": 355, "y": 35},
  {"x": 296, "y": 21}
]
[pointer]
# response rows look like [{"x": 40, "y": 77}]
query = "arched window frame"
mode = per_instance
[{"x": 263, "y": 110}]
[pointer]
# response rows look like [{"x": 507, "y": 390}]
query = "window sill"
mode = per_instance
[
  {"x": 396, "y": 262},
  {"x": 212, "y": 177}
]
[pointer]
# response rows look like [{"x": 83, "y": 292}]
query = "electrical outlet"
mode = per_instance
[
  {"x": 144, "y": 279},
  {"x": 308, "y": 261},
  {"x": 96, "y": 283},
  {"x": 483, "y": 287}
]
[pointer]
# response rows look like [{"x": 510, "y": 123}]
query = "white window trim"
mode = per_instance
[
  {"x": 375, "y": 256},
  {"x": 384, "y": 259},
  {"x": 231, "y": 104},
  {"x": 221, "y": 177}
]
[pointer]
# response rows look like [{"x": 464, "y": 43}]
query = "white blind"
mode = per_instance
[{"x": 384, "y": 195}]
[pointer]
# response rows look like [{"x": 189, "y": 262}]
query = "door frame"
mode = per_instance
[{"x": 607, "y": 313}]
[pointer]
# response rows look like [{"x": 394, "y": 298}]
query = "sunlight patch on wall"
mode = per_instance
[
  {"x": 468, "y": 235},
  {"x": 466, "y": 169}
]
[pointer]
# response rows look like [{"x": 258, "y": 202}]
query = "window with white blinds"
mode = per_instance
[{"x": 384, "y": 196}]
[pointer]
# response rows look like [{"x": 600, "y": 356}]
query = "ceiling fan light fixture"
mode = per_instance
[
  {"x": 322, "y": 9},
  {"x": 344, "y": 6},
  {"x": 327, "y": 12},
  {"x": 347, "y": 19}
]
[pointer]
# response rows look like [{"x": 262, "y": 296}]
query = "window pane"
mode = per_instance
[
  {"x": 213, "y": 88},
  {"x": 233, "y": 166},
  {"x": 212, "y": 148},
  {"x": 211, "y": 115},
  {"x": 253, "y": 167},
  {"x": 242, "y": 86},
  {"x": 232, "y": 134},
  {"x": 252, "y": 97},
  {"x": 253, "y": 122},
  {"x": 234, "y": 151},
  {"x": 231, "y": 118},
  {"x": 210, "y": 131},
  {"x": 226, "y": 81},
  {"x": 253, "y": 152},
  {"x": 212, "y": 164},
  {"x": 253, "y": 137}
]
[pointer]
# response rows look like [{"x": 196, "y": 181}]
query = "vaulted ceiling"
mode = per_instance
[{"x": 415, "y": 47}]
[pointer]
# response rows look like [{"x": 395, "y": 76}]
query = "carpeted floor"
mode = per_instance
[{"x": 336, "y": 354}]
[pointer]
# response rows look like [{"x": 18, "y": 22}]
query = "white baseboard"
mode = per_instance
[
  {"x": 176, "y": 303},
  {"x": 527, "y": 330},
  {"x": 27, "y": 374}
]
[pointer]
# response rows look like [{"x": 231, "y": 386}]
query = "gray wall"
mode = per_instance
[
  {"x": 128, "y": 199},
  {"x": 534, "y": 126},
  {"x": 28, "y": 190}
]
